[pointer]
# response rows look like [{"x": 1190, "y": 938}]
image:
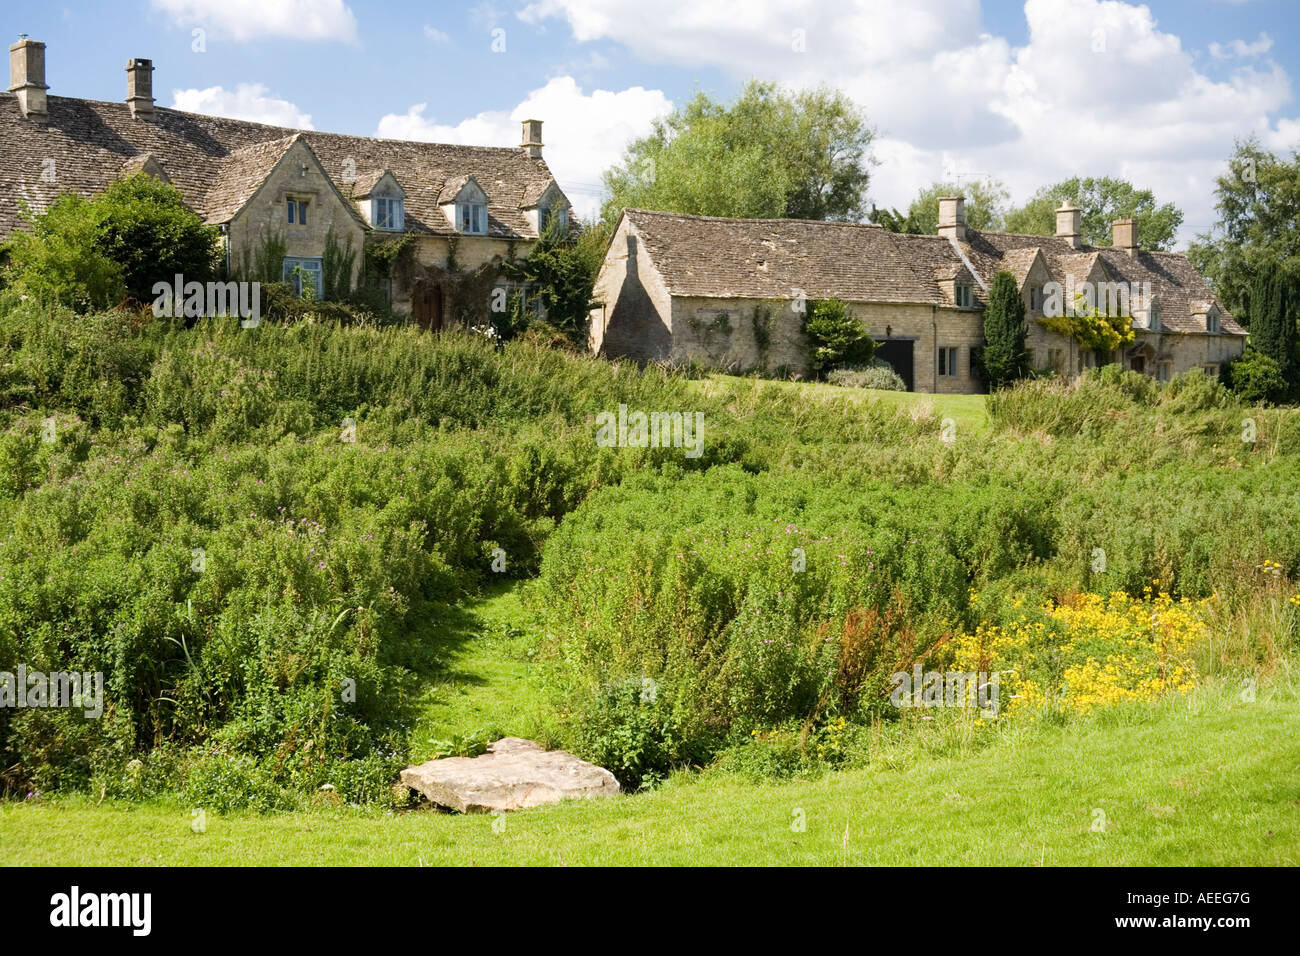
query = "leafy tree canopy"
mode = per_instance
[
  {"x": 772, "y": 154},
  {"x": 1101, "y": 201},
  {"x": 986, "y": 201},
  {"x": 1258, "y": 225}
]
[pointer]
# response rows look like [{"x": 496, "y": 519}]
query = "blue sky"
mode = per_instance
[{"x": 1029, "y": 92}]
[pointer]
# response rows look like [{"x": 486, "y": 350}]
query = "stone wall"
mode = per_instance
[
  {"x": 634, "y": 318},
  {"x": 431, "y": 258},
  {"x": 739, "y": 335}
]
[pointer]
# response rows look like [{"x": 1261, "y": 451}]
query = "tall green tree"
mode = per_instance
[
  {"x": 1273, "y": 305},
  {"x": 1258, "y": 225},
  {"x": 771, "y": 154},
  {"x": 986, "y": 201},
  {"x": 1101, "y": 201},
  {"x": 1004, "y": 358}
]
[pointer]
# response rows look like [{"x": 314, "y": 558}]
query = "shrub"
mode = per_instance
[
  {"x": 836, "y": 337},
  {"x": 881, "y": 375},
  {"x": 90, "y": 253},
  {"x": 1257, "y": 378}
]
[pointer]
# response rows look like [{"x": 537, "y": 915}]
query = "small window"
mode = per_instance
[
  {"x": 1212, "y": 369},
  {"x": 1056, "y": 359},
  {"x": 1153, "y": 318},
  {"x": 297, "y": 212},
  {"x": 1212, "y": 322},
  {"x": 1164, "y": 371},
  {"x": 1036, "y": 298},
  {"x": 299, "y": 270},
  {"x": 472, "y": 218},
  {"x": 387, "y": 213},
  {"x": 555, "y": 216},
  {"x": 948, "y": 361},
  {"x": 965, "y": 295}
]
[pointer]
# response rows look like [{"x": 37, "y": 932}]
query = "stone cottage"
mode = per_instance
[
  {"x": 466, "y": 209},
  {"x": 732, "y": 294}
]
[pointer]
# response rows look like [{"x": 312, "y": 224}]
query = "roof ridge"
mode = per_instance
[{"x": 288, "y": 131}]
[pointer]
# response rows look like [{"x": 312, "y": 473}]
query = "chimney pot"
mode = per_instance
[
  {"x": 1123, "y": 236},
  {"x": 532, "y": 141},
  {"x": 952, "y": 217},
  {"x": 1067, "y": 224},
  {"x": 27, "y": 77},
  {"x": 139, "y": 87}
]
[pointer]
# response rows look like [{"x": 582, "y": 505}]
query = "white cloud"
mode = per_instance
[
  {"x": 1098, "y": 88},
  {"x": 247, "y": 101},
  {"x": 584, "y": 133},
  {"x": 437, "y": 36},
  {"x": 259, "y": 19},
  {"x": 1240, "y": 48}
]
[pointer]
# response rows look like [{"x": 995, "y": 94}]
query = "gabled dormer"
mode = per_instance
[
  {"x": 1147, "y": 318},
  {"x": 382, "y": 201},
  {"x": 957, "y": 285},
  {"x": 1207, "y": 316},
  {"x": 550, "y": 206},
  {"x": 465, "y": 205},
  {"x": 146, "y": 163}
]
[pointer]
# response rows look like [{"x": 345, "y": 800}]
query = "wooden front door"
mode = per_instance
[{"x": 426, "y": 305}]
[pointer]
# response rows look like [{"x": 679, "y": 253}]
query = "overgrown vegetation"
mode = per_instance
[{"x": 257, "y": 535}]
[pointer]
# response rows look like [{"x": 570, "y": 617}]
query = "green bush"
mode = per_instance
[
  {"x": 90, "y": 253},
  {"x": 836, "y": 338},
  {"x": 1256, "y": 378}
]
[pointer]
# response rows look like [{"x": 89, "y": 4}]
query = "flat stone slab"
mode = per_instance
[{"x": 513, "y": 774}]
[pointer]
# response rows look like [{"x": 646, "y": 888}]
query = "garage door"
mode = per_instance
[{"x": 898, "y": 353}]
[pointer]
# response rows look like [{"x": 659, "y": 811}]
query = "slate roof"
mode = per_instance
[
  {"x": 771, "y": 258},
  {"x": 213, "y": 160},
  {"x": 712, "y": 257}
]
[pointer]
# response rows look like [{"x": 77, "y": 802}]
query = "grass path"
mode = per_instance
[{"x": 968, "y": 412}]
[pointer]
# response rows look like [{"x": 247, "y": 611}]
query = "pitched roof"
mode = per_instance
[
  {"x": 212, "y": 160},
  {"x": 775, "y": 258},
  {"x": 713, "y": 257}
]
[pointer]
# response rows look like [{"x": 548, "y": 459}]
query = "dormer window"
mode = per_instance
[
  {"x": 471, "y": 217},
  {"x": 1153, "y": 318},
  {"x": 388, "y": 212},
  {"x": 555, "y": 217},
  {"x": 1212, "y": 322},
  {"x": 964, "y": 295}
]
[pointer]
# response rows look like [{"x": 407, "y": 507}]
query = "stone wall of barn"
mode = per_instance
[{"x": 635, "y": 313}]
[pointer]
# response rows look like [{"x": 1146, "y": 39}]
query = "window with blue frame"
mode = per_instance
[
  {"x": 554, "y": 217},
  {"x": 297, "y": 211},
  {"x": 387, "y": 213},
  {"x": 300, "y": 270},
  {"x": 471, "y": 217}
]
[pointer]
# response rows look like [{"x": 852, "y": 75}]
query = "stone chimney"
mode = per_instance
[
  {"x": 532, "y": 143},
  {"x": 1123, "y": 236},
  {"x": 27, "y": 77},
  {"x": 1067, "y": 224},
  {"x": 952, "y": 217},
  {"x": 139, "y": 87}
]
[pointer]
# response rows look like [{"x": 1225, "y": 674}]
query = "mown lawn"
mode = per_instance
[
  {"x": 1205, "y": 780},
  {"x": 968, "y": 412}
]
